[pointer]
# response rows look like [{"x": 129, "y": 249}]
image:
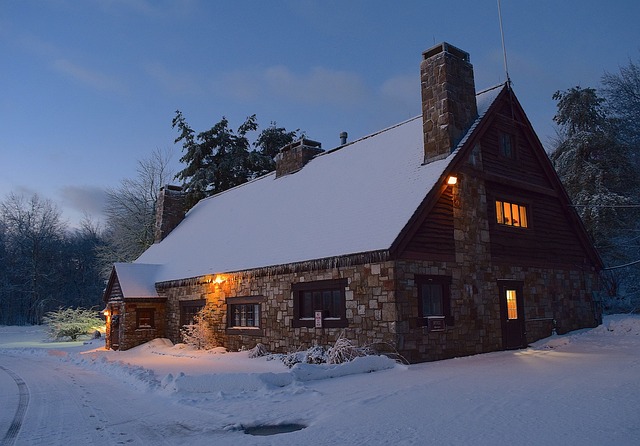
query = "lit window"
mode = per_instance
[
  {"x": 145, "y": 318},
  {"x": 511, "y": 214},
  {"x": 245, "y": 315},
  {"x": 512, "y": 305},
  {"x": 327, "y": 296}
]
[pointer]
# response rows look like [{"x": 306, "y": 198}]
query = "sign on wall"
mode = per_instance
[{"x": 318, "y": 319}]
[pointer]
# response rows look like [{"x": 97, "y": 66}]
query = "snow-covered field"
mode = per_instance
[{"x": 578, "y": 389}]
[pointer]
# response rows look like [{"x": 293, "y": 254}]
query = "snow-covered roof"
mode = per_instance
[
  {"x": 350, "y": 200},
  {"x": 137, "y": 279}
]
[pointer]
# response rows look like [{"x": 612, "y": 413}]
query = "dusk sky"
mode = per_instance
[{"x": 89, "y": 87}]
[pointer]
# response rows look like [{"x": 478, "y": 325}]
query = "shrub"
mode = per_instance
[
  {"x": 72, "y": 322},
  {"x": 199, "y": 334},
  {"x": 343, "y": 350},
  {"x": 258, "y": 351}
]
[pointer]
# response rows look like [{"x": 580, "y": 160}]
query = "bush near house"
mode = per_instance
[
  {"x": 72, "y": 322},
  {"x": 199, "y": 333}
]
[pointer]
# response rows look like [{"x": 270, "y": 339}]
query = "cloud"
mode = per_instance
[
  {"x": 86, "y": 76},
  {"x": 320, "y": 85},
  {"x": 86, "y": 199},
  {"x": 404, "y": 90},
  {"x": 173, "y": 82},
  {"x": 316, "y": 87}
]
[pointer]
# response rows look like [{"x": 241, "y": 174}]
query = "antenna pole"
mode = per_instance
[{"x": 504, "y": 49}]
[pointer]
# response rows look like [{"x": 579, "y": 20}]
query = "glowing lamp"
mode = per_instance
[
  {"x": 218, "y": 280},
  {"x": 105, "y": 312},
  {"x": 452, "y": 180}
]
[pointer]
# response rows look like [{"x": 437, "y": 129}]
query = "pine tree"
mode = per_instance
[
  {"x": 596, "y": 168},
  {"x": 219, "y": 158},
  {"x": 593, "y": 165}
]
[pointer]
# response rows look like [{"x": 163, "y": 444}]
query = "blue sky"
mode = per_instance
[{"x": 90, "y": 87}]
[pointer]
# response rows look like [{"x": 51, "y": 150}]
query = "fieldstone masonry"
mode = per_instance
[
  {"x": 448, "y": 99},
  {"x": 381, "y": 296}
]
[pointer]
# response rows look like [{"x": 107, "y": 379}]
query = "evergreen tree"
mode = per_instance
[
  {"x": 219, "y": 158},
  {"x": 593, "y": 165},
  {"x": 268, "y": 144}
]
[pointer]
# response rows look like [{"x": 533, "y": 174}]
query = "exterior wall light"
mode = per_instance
[{"x": 452, "y": 180}]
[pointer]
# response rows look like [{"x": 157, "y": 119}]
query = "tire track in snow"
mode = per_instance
[{"x": 23, "y": 402}]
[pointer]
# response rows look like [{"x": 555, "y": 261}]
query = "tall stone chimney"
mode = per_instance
[
  {"x": 170, "y": 210},
  {"x": 448, "y": 99},
  {"x": 294, "y": 156}
]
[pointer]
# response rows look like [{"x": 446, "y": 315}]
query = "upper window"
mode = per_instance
[
  {"x": 145, "y": 318},
  {"x": 324, "y": 296},
  {"x": 434, "y": 298},
  {"x": 507, "y": 146},
  {"x": 511, "y": 214}
]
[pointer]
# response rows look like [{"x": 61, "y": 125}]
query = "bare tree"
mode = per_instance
[
  {"x": 33, "y": 236},
  {"x": 130, "y": 210}
]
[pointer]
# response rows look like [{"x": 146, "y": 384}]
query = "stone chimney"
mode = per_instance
[
  {"x": 448, "y": 99},
  {"x": 170, "y": 210},
  {"x": 294, "y": 156}
]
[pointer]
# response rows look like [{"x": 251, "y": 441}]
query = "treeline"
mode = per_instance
[
  {"x": 597, "y": 155},
  {"x": 45, "y": 264}
]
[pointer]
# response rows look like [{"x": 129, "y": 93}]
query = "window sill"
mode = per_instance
[
  {"x": 326, "y": 323},
  {"x": 247, "y": 331}
]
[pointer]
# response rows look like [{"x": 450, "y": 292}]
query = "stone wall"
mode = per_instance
[
  {"x": 370, "y": 307},
  {"x": 448, "y": 99},
  {"x": 553, "y": 297},
  {"x": 130, "y": 334}
]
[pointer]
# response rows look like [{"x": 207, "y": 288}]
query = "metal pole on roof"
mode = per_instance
[{"x": 504, "y": 48}]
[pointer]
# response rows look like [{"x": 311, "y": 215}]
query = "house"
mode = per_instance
[{"x": 448, "y": 234}]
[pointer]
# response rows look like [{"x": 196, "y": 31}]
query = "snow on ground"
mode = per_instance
[{"x": 580, "y": 388}]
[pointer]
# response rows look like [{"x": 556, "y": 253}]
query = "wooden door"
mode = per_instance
[
  {"x": 512, "y": 314},
  {"x": 115, "y": 331}
]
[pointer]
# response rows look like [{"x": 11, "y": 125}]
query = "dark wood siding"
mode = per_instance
[
  {"x": 552, "y": 235},
  {"x": 115, "y": 293},
  {"x": 434, "y": 237},
  {"x": 549, "y": 239},
  {"x": 523, "y": 165}
]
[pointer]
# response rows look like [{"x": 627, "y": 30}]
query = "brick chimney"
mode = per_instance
[
  {"x": 448, "y": 99},
  {"x": 170, "y": 210},
  {"x": 294, "y": 156}
]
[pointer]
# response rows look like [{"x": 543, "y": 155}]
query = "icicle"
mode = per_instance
[{"x": 276, "y": 270}]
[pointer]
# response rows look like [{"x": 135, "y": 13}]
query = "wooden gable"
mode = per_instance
[
  {"x": 113, "y": 291},
  {"x": 555, "y": 234}
]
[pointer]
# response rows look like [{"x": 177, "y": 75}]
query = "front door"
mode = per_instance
[
  {"x": 115, "y": 331},
  {"x": 512, "y": 314}
]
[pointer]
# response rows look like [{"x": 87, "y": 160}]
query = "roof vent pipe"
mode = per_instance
[{"x": 343, "y": 138}]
